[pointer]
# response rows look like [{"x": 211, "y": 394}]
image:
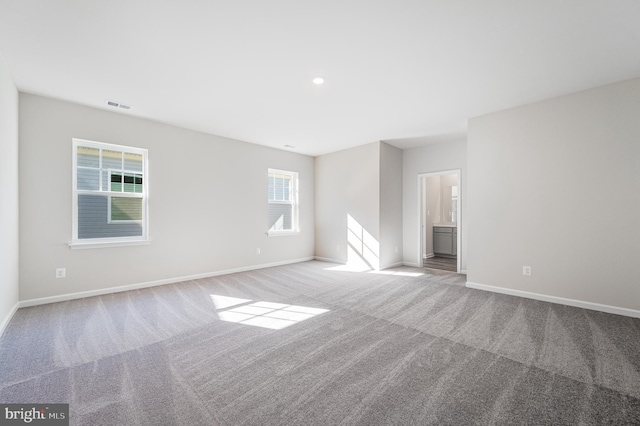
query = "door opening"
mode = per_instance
[{"x": 439, "y": 224}]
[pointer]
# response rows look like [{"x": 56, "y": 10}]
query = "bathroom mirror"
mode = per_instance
[{"x": 449, "y": 203}]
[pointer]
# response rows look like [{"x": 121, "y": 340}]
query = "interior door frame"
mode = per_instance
[{"x": 421, "y": 214}]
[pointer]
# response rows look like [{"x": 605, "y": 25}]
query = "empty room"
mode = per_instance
[{"x": 318, "y": 213}]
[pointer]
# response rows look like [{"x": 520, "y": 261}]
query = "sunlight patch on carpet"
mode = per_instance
[
  {"x": 399, "y": 273},
  {"x": 275, "y": 316},
  {"x": 364, "y": 268}
]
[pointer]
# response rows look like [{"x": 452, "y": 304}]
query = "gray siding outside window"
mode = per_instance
[
  {"x": 282, "y": 215},
  {"x": 92, "y": 220}
]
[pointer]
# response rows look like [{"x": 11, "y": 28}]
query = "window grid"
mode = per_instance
[{"x": 95, "y": 165}]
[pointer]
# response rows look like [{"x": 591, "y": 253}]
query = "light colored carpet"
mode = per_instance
[{"x": 406, "y": 346}]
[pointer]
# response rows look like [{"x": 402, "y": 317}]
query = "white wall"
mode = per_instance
[
  {"x": 347, "y": 183},
  {"x": 207, "y": 203},
  {"x": 390, "y": 206},
  {"x": 555, "y": 185},
  {"x": 8, "y": 195},
  {"x": 365, "y": 184},
  {"x": 429, "y": 159}
]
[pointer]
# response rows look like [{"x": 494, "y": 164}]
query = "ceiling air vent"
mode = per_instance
[{"x": 118, "y": 105}]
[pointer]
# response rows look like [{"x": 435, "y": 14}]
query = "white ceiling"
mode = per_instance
[{"x": 408, "y": 72}]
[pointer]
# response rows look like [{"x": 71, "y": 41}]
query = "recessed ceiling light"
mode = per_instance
[{"x": 318, "y": 80}]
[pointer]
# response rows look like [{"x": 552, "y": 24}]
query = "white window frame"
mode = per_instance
[
  {"x": 77, "y": 243},
  {"x": 293, "y": 202}
]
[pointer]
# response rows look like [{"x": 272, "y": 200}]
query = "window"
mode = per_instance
[
  {"x": 109, "y": 194},
  {"x": 282, "y": 214}
]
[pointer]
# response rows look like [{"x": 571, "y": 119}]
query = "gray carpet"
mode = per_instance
[{"x": 408, "y": 346}]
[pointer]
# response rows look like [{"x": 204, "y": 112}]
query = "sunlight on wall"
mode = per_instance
[
  {"x": 275, "y": 316},
  {"x": 363, "y": 250}
]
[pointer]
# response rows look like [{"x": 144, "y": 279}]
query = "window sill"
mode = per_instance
[
  {"x": 282, "y": 233},
  {"x": 106, "y": 244}
]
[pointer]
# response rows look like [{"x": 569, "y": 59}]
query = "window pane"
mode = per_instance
[
  {"x": 138, "y": 184},
  {"x": 132, "y": 183},
  {"x": 128, "y": 183},
  {"x": 88, "y": 157},
  {"x": 116, "y": 182},
  {"x": 280, "y": 217},
  {"x": 279, "y": 188},
  {"x": 93, "y": 223},
  {"x": 286, "y": 195},
  {"x": 133, "y": 162},
  {"x": 111, "y": 159},
  {"x": 88, "y": 179},
  {"x": 126, "y": 208},
  {"x": 271, "y": 188}
]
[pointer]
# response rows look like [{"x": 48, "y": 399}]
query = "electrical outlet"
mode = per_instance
[
  {"x": 61, "y": 272},
  {"x": 257, "y": 251},
  {"x": 526, "y": 270}
]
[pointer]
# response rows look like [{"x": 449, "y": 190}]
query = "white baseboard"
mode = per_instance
[
  {"x": 99, "y": 292},
  {"x": 429, "y": 255},
  {"x": 327, "y": 259},
  {"x": 463, "y": 271},
  {"x": 5, "y": 320},
  {"x": 559, "y": 300},
  {"x": 340, "y": 262},
  {"x": 393, "y": 265}
]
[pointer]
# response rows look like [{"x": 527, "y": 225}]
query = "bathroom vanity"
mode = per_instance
[{"x": 445, "y": 240}]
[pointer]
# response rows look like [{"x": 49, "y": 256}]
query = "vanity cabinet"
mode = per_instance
[{"x": 445, "y": 240}]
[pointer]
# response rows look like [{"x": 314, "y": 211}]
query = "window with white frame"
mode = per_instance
[
  {"x": 109, "y": 193},
  {"x": 282, "y": 214}
]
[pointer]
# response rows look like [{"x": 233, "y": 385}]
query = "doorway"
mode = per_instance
[{"x": 439, "y": 230}]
